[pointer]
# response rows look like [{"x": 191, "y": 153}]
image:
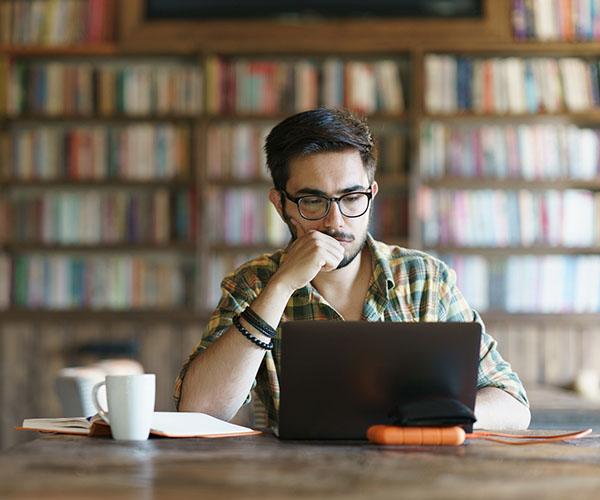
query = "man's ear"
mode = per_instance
[
  {"x": 374, "y": 188},
  {"x": 275, "y": 198}
]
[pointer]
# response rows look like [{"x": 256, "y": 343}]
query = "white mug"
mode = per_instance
[{"x": 130, "y": 405}]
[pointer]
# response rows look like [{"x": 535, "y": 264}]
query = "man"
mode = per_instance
[{"x": 323, "y": 166}]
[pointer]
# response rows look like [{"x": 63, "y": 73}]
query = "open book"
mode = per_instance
[{"x": 167, "y": 424}]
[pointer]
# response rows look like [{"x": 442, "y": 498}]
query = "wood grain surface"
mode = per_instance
[{"x": 262, "y": 467}]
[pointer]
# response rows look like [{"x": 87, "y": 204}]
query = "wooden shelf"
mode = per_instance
[
  {"x": 98, "y": 248},
  {"x": 567, "y": 317},
  {"x": 97, "y": 49},
  {"x": 240, "y": 117},
  {"x": 505, "y": 251},
  {"x": 85, "y": 183},
  {"x": 490, "y": 183},
  {"x": 592, "y": 115},
  {"x": 95, "y": 315},
  {"x": 255, "y": 183},
  {"x": 96, "y": 118}
]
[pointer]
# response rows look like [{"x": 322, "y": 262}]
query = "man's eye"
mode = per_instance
[
  {"x": 312, "y": 202},
  {"x": 353, "y": 198}
]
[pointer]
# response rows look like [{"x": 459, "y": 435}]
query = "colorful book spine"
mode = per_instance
[
  {"x": 529, "y": 284},
  {"x": 56, "y": 22},
  {"x": 263, "y": 87},
  {"x": 133, "y": 152},
  {"x": 246, "y": 217},
  {"x": 529, "y": 152},
  {"x": 547, "y": 20},
  {"x": 102, "y": 217},
  {"x": 508, "y": 218},
  {"x": 106, "y": 88},
  {"x": 510, "y": 85},
  {"x": 99, "y": 283}
]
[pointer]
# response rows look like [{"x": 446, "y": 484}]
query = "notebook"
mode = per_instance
[{"x": 166, "y": 424}]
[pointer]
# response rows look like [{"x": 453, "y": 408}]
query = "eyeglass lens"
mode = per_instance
[{"x": 351, "y": 205}]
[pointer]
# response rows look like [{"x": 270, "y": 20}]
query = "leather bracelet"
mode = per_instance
[
  {"x": 255, "y": 340},
  {"x": 257, "y": 322}
]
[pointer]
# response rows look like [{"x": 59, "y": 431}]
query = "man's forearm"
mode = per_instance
[
  {"x": 496, "y": 409},
  {"x": 218, "y": 381}
]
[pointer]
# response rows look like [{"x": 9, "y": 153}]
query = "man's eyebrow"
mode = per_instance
[{"x": 350, "y": 189}]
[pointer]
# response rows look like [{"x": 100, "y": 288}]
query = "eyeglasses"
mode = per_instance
[{"x": 316, "y": 206}]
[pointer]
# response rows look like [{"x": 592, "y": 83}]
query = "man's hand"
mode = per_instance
[{"x": 311, "y": 253}]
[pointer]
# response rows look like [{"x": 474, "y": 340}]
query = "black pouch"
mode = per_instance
[{"x": 436, "y": 412}]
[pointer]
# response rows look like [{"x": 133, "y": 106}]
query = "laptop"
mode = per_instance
[{"x": 338, "y": 378}]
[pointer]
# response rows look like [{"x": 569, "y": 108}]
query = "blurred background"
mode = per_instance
[{"x": 132, "y": 177}]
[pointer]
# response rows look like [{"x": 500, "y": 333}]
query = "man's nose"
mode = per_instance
[{"x": 334, "y": 218}]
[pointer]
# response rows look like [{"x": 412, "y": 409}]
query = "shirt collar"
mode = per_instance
[{"x": 382, "y": 272}]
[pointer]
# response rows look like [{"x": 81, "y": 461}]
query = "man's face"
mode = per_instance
[{"x": 328, "y": 174}]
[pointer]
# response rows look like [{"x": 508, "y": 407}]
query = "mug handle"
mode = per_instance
[{"x": 103, "y": 414}]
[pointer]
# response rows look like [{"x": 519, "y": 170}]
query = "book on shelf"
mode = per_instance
[
  {"x": 56, "y": 22},
  {"x": 66, "y": 282},
  {"x": 246, "y": 217},
  {"x": 501, "y": 85},
  {"x": 268, "y": 86},
  {"x": 111, "y": 87},
  {"x": 509, "y": 218},
  {"x": 529, "y": 283},
  {"x": 93, "y": 216},
  {"x": 235, "y": 151},
  {"x": 567, "y": 20},
  {"x": 164, "y": 424},
  {"x": 141, "y": 152},
  {"x": 515, "y": 151}
]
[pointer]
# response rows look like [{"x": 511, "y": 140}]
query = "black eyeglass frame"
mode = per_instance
[{"x": 335, "y": 199}]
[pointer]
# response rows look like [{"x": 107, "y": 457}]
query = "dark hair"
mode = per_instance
[{"x": 319, "y": 130}]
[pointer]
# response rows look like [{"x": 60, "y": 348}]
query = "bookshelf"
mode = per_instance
[{"x": 221, "y": 159}]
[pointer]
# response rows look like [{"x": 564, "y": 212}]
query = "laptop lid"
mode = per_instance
[{"x": 337, "y": 378}]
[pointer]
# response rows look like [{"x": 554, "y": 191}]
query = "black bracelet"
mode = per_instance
[
  {"x": 250, "y": 337},
  {"x": 257, "y": 322}
]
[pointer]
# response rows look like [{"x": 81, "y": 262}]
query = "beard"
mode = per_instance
[{"x": 350, "y": 254}]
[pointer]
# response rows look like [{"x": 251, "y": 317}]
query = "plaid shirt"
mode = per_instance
[{"x": 406, "y": 285}]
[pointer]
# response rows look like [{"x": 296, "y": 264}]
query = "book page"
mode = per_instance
[{"x": 190, "y": 424}]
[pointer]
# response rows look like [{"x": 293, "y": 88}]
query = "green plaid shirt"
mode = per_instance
[{"x": 406, "y": 285}]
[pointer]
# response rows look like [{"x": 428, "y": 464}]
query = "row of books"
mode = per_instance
[
  {"x": 556, "y": 20},
  {"x": 134, "y": 152},
  {"x": 114, "y": 282},
  {"x": 505, "y": 218},
  {"x": 236, "y": 150},
  {"x": 542, "y": 151},
  {"x": 100, "y": 216},
  {"x": 56, "y": 22},
  {"x": 510, "y": 84},
  {"x": 529, "y": 284},
  {"x": 107, "y": 88},
  {"x": 267, "y": 86},
  {"x": 242, "y": 216}
]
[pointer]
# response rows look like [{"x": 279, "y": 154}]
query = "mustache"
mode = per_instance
[{"x": 339, "y": 235}]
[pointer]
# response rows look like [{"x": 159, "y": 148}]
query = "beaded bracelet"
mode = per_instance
[
  {"x": 257, "y": 322},
  {"x": 255, "y": 340}
]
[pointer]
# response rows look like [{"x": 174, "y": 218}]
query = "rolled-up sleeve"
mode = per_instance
[{"x": 232, "y": 303}]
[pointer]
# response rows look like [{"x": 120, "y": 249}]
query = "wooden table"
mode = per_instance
[{"x": 262, "y": 467}]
